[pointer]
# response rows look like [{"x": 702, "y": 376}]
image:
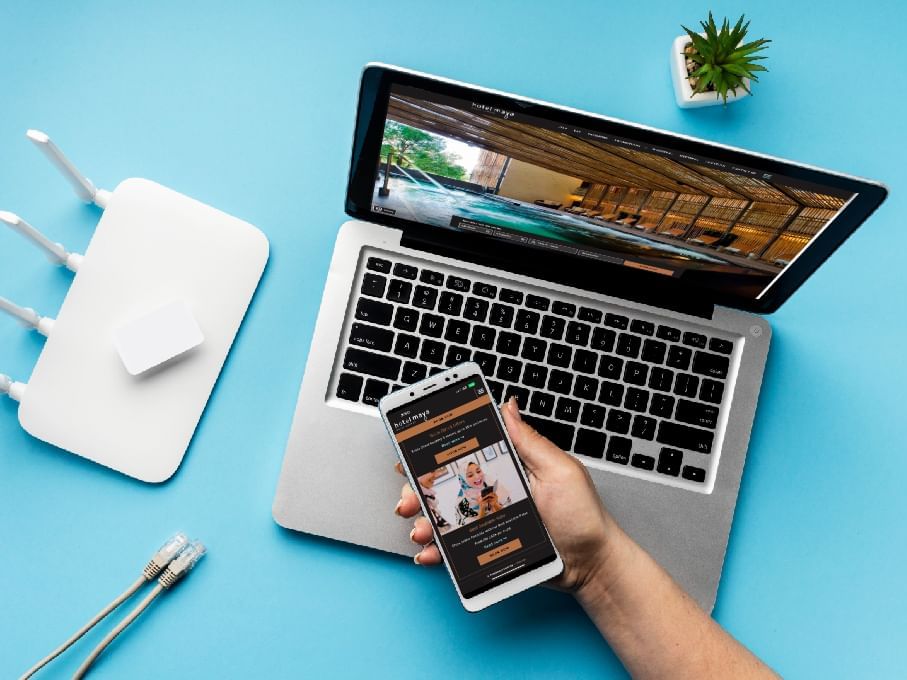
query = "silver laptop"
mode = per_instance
[{"x": 611, "y": 277}]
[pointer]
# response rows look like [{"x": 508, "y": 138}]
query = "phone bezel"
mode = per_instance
[{"x": 424, "y": 388}]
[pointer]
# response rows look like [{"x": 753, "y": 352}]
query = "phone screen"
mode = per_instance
[{"x": 454, "y": 444}]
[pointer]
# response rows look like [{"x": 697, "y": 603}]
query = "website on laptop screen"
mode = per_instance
[{"x": 463, "y": 165}]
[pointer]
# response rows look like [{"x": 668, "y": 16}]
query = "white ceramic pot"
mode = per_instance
[{"x": 683, "y": 91}]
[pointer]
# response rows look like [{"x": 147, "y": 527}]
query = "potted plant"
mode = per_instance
[{"x": 715, "y": 66}]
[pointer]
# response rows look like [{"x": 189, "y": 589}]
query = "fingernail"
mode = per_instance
[
  {"x": 412, "y": 535},
  {"x": 397, "y": 507},
  {"x": 416, "y": 558},
  {"x": 515, "y": 408}
]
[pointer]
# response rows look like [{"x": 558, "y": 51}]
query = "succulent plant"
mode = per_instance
[{"x": 721, "y": 60}]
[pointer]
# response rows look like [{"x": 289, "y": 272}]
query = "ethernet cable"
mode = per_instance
[
  {"x": 177, "y": 569},
  {"x": 157, "y": 564}
]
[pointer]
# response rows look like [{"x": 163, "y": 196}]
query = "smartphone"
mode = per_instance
[{"x": 458, "y": 457}]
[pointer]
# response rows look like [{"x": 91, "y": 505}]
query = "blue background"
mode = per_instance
[{"x": 250, "y": 108}]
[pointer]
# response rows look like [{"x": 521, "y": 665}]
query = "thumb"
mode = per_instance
[{"x": 536, "y": 451}]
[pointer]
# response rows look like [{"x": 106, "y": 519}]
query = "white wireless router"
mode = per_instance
[{"x": 157, "y": 299}]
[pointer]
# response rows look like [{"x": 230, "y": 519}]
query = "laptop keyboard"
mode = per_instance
[{"x": 608, "y": 385}]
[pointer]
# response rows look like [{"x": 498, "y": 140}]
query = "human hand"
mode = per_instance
[{"x": 562, "y": 489}]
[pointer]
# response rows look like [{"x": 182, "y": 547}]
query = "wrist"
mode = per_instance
[{"x": 607, "y": 568}]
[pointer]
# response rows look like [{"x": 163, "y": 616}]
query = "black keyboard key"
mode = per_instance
[
  {"x": 486, "y": 362},
  {"x": 668, "y": 333},
  {"x": 413, "y": 372},
  {"x": 590, "y": 443},
  {"x": 636, "y": 373},
  {"x": 661, "y": 405},
  {"x": 619, "y": 450},
  {"x": 711, "y": 391},
  {"x": 450, "y": 303},
  {"x": 405, "y": 271},
  {"x": 380, "y": 365},
  {"x": 661, "y": 379},
  {"x": 722, "y": 347},
  {"x": 694, "y": 474},
  {"x": 563, "y": 308},
  {"x": 349, "y": 386},
  {"x": 578, "y": 333},
  {"x": 593, "y": 415},
  {"x": 457, "y": 331},
  {"x": 406, "y": 345},
  {"x": 653, "y": 351},
  {"x": 399, "y": 291},
  {"x": 567, "y": 409},
  {"x": 542, "y": 403},
  {"x": 433, "y": 278},
  {"x": 585, "y": 387},
  {"x": 611, "y": 393},
  {"x": 642, "y": 462},
  {"x": 456, "y": 355},
  {"x": 534, "y": 349},
  {"x": 378, "y": 265},
  {"x": 686, "y": 385},
  {"x": 406, "y": 319},
  {"x": 483, "y": 337},
  {"x": 432, "y": 325},
  {"x": 617, "y": 321},
  {"x": 476, "y": 309},
  {"x": 501, "y": 315},
  {"x": 373, "y": 285},
  {"x": 712, "y": 365},
  {"x": 679, "y": 357},
  {"x": 521, "y": 394},
  {"x": 695, "y": 413},
  {"x": 538, "y": 302},
  {"x": 425, "y": 297},
  {"x": 642, "y": 327},
  {"x": 636, "y": 399},
  {"x": 527, "y": 321},
  {"x": 535, "y": 375},
  {"x": 685, "y": 437},
  {"x": 371, "y": 337},
  {"x": 584, "y": 361},
  {"x": 374, "y": 390},
  {"x": 508, "y": 343},
  {"x": 509, "y": 369},
  {"x": 374, "y": 311},
  {"x": 603, "y": 339},
  {"x": 497, "y": 390},
  {"x": 485, "y": 290},
  {"x": 628, "y": 345},
  {"x": 552, "y": 327},
  {"x": 669, "y": 462},
  {"x": 559, "y": 355},
  {"x": 694, "y": 339},
  {"x": 560, "y": 381},
  {"x": 643, "y": 427},
  {"x": 618, "y": 421},
  {"x": 432, "y": 352},
  {"x": 559, "y": 433},
  {"x": 514, "y": 297},
  {"x": 434, "y": 370},
  {"x": 458, "y": 283},
  {"x": 589, "y": 314}
]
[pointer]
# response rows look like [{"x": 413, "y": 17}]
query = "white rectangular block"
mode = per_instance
[{"x": 154, "y": 338}]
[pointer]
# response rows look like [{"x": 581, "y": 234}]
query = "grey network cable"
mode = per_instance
[{"x": 157, "y": 564}]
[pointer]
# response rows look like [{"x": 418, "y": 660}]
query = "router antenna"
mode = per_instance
[
  {"x": 55, "y": 251},
  {"x": 15, "y": 390},
  {"x": 83, "y": 186},
  {"x": 43, "y": 324}
]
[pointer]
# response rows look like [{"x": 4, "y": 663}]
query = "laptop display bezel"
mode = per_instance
[{"x": 609, "y": 279}]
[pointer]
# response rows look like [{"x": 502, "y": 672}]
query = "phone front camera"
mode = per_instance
[{"x": 412, "y": 394}]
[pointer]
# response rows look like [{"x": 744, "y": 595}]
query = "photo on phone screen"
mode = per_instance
[{"x": 488, "y": 527}]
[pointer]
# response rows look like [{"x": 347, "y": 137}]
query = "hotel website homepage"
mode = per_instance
[
  {"x": 478, "y": 502},
  {"x": 463, "y": 165}
]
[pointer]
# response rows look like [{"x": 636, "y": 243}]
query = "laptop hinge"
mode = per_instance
[{"x": 630, "y": 286}]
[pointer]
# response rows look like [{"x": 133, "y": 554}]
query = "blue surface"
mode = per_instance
[{"x": 251, "y": 109}]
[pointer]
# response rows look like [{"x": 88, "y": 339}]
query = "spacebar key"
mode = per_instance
[
  {"x": 370, "y": 363},
  {"x": 684, "y": 437},
  {"x": 560, "y": 433}
]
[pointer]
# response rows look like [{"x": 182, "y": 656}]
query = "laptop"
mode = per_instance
[{"x": 611, "y": 277}]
